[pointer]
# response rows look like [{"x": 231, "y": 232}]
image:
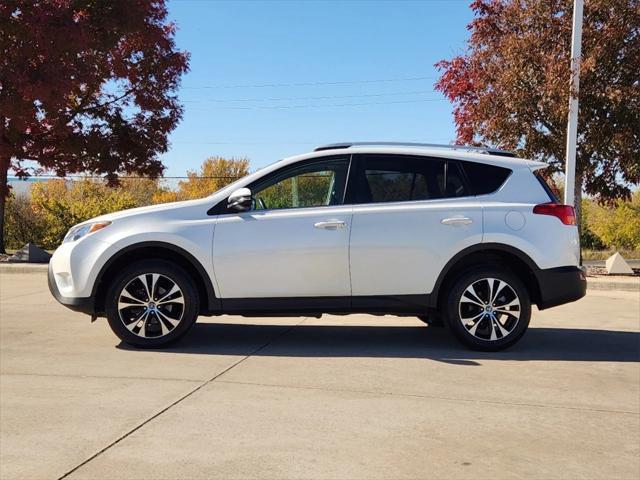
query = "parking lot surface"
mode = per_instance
[{"x": 331, "y": 398}]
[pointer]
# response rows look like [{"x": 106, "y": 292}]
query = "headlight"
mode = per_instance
[{"x": 79, "y": 231}]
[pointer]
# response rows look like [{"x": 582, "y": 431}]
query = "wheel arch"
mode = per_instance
[
  {"x": 156, "y": 250},
  {"x": 487, "y": 254}
]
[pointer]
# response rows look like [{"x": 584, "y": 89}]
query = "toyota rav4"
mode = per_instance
[{"x": 463, "y": 236}]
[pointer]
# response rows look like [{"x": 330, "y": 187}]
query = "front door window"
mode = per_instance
[{"x": 315, "y": 184}]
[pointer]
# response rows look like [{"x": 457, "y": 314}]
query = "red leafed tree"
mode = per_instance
[
  {"x": 86, "y": 86},
  {"x": 511, "y": 86}
]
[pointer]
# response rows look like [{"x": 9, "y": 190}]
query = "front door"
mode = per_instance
[{"x": 293, "y": 244}]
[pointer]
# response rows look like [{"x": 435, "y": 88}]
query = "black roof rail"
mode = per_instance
[{"x": 469, "y": 148}]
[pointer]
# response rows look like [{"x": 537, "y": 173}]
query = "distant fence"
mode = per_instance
[{"x": 23, "y": 186}]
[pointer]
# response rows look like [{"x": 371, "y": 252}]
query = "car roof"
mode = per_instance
[{"x": 427, "y": 151}]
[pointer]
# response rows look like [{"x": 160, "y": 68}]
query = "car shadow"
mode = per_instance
[{"x": 555, "y": 344}]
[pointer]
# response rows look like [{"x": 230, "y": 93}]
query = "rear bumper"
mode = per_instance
[
  {"x": 80, "y": 304},
  {"x": 560, "y": 285}
]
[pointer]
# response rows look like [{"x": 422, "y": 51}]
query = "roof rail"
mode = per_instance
[{"x": 469, "y": 148}]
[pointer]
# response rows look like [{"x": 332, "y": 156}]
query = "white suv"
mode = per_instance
[{"x": 463, "y": 236}]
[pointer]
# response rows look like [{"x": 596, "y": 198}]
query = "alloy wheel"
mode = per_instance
[
  {"x": 489, "y": 309},
  {"x": 151, "y": 305}
]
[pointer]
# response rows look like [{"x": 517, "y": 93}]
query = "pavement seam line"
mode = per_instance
[
  {"x": 185, "y": 396},
  {"x": 434, "y": 397}
]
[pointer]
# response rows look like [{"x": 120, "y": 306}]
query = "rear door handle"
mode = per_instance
[
  {"x": 330, "y": 224},
  {"x": 456, "y": 221}
]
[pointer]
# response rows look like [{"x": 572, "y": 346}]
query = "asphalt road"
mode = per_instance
[{"x": 331, "y": 398}]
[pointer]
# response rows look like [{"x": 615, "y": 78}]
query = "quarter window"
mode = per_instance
[
  {"x": 395, "y": 178},
  {"x": 485, "y": 178}
]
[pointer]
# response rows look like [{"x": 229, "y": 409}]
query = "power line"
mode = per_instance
[
  {"x": 310, "y": 84},
  {"x": 323, "y": 97},
  {"x": 319, "y": 105}
]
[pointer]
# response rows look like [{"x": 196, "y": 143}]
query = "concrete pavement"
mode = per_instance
[{"x": 336, "y": 397}]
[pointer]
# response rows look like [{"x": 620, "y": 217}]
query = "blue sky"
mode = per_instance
[{"x": 270, "y": 79}]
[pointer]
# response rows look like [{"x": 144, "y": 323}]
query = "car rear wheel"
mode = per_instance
[
  {"x": 151, "y": 304},
  {"x": 488, "y": 309}
]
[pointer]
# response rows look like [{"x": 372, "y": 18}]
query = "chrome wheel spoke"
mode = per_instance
[
  {"x": 172, "y": 321},
  {"x": 152, "y": 290},
  {"x": 136, "y": 322},
  {"x": 132, "y": 296},
  {"x": 490, "y": 285},
  {"x": 143, "y": 280},
  {"x": 472, "y": 291},
  {"x": 470, "y": 300},
  {"x": 513, "y": 303},
  {"x": 167, "y": 297},
  {"x": 503, "y": 330},
  {"x": 471, "y": 319},
  {"x": 501, "y": 286},
  {"x": 473, "y": 329},
  {"x": 493, "y": 328},
  {"x": 126, "y": 302}
]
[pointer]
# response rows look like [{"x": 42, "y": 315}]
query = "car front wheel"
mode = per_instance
[
  {"x": 151, "y": 304},
  {"x": 488, "y": 309}
]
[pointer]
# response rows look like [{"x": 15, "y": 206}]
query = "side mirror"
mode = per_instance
[{"x": 241, "y": 200}]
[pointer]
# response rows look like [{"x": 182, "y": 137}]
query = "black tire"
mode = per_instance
[
  {"x": 153, "y": 331},
  {"x": 433, "y": 320},
  {"x": 487, "y": 335}
]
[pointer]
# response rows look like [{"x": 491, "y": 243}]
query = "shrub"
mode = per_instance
[
  {"x": 22, "y": 224},
  {"x": 63, "y": 203},
  {"x": 617, "y": 225}
]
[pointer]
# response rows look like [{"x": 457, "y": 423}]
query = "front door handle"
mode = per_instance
[
  {"x": 330, "y": 224},
  {"x": 456, "y": 221}
]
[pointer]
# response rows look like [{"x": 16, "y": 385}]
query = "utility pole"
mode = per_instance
[{"x": 572, "y": 125}]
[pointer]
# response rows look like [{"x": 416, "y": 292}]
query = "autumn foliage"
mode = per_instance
[
  {"x": 510, "y": 88},
  {"x": 214, "y": 173},
  {"x": 52, "y": 207},
  {"x": 86, "y": 86}
]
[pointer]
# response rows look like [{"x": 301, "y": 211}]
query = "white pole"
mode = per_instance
[{"x": 572, "y": 126}]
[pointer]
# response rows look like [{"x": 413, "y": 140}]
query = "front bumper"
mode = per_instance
[
  {"x": 79, "y": 304},
  {"x": 560, "y": 285}
]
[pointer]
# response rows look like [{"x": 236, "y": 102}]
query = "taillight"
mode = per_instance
[{"x": 565, "y": 213}]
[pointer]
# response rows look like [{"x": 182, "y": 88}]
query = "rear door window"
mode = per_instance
[{"x": 401, "y": 178}]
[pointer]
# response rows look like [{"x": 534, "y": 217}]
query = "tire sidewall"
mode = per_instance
[
  {"x": 163, "y": 267},
  {"x": 453, "y": 315}
]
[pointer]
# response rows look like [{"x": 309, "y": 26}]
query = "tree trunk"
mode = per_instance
[{"x": 4, "y": 193}]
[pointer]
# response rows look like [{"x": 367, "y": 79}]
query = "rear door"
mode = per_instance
[{"x": 411, "y": 215}]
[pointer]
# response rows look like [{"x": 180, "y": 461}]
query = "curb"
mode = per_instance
[
  {"x": 625, "y": 284},
  {"x": 8, "y": 267}
]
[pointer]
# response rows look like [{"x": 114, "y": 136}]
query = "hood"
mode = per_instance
[{"x": 161, "y": 207}]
